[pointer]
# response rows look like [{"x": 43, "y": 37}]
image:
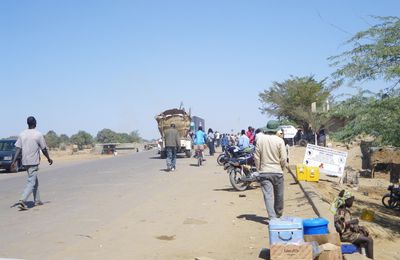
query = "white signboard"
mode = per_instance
[
  {"x": 329, "y": 161},
  {"x": 289, "y": 131}
]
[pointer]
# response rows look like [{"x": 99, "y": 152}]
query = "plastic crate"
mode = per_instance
[
  {"x": 312, "y": 173},
  {"x": 301, "y": 172}
]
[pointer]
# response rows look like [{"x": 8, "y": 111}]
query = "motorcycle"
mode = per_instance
[
  {"x": 232, "y": 152},
  {"x": 391, "y": 200},
  {"x": 240, "y": 171}
]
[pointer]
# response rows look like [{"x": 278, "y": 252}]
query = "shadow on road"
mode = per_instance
[
  {"x": 265, "y": 254},
  {"x": 158, "y": 157},
  {"x": 226, "y": 189},
  {"x": 155, "y": 157},
  {"x": 254, "y": 218},
  {"x": 29, "y": 204}
]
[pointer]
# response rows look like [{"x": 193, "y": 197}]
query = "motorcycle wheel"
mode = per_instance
[
  {"x": 234, "y": 175},
  {"x": 389, "y": 202},
  {"x": 221, "y": 159}
]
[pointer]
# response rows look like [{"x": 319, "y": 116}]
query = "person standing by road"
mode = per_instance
[
  {"x": 172, "y": 142},
  {"x": 30, "y": 142},
  {"x": 224, "y": 142},
  {"x": 270, "y": 159},
  {"x": 217, "y": 139},
  {"x": 321, "y": 136},
  {"x": 244, "y": 141},
  {"x": 210, "y": 141},
  {"x": 250, "y": 134}
]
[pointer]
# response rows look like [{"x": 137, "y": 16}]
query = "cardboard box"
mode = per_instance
[
  {"x": 355, "y": 256},
  {"x": 291, "y": 252},
  {"x": 332, "y": 238}
]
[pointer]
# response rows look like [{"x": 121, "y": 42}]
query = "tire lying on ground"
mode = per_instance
[{"x": 303, "y": 142}]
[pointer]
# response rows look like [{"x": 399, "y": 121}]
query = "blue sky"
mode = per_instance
[{"x": 88, "y": 65}]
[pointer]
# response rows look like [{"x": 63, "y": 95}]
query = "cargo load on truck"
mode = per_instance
[{"x": 182, "y": 121}]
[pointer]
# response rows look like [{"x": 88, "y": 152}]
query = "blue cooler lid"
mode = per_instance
[{"x": 315, "y": 222}]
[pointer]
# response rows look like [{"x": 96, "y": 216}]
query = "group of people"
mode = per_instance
[
  {"x": 270, "y": 156},
  {"x": 311, "y": 136},
  {"x": 270, "y": 160},
  {"x": 200, "y": 141}
]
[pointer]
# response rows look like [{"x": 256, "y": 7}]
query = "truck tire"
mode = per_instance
[
  {"x": 163, "y": 154},
  {"x": 188, "y": 153}
]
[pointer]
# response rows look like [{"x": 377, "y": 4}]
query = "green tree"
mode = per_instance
[
  {"x": 52, "y": 139},
  {"x": 107, "y": 136},
  {"x": 375, "y": 53},
  {"x": 292, "y": 100},
  {"x": 124, "y": 138},
  {"x": 373, "y": 115},
  {"x": 64, "y": 139},
  {"x": 82, "y": 139},
  {"x": 135, "y": 137}
]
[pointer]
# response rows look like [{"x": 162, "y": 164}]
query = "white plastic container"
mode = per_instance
[{"x": 286, "y": 230}]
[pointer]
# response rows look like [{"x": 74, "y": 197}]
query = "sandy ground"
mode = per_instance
[
  {"x": 385, "y": 228},
  {"x": 69, "y": 156},
  {"x": 204, "y": 218},
  {"x": 191, "y": 213}
]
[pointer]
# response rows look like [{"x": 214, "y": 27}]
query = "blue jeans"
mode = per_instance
[
  {"x": 32, "y": 184},
  {"x": 171, "y": 157}
]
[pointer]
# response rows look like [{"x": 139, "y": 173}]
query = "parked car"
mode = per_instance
[{"x": 7, "y": 153}]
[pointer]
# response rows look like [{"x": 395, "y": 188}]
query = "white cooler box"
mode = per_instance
[{"x": 286, "y": 230}]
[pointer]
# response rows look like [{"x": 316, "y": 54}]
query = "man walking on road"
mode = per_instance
[
  {"x": 172, "y": 141},
  {"x": 31, "y": 141},
  {"x": 270, "y": 159}
]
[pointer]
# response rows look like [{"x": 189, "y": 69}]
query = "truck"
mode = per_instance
[
  {"x": 182, "y": 121},
  {"x": 196, "y": 123}
]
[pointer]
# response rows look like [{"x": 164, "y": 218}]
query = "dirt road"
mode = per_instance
[{"x": 127, "y": 207}]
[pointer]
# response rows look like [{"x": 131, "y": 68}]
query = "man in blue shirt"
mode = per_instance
[
  {"x": 200, "y": 139},
  {"x": 244, "y": 141},
  {"x": 224, "y": 142}
]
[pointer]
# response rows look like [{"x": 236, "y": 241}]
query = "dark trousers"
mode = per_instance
[
  {"x": 171, "y": 157},
  {"x": 211, "y": 147},
  {"x": 223, "y": 148},
  {"x": 368, "y": 243}
]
